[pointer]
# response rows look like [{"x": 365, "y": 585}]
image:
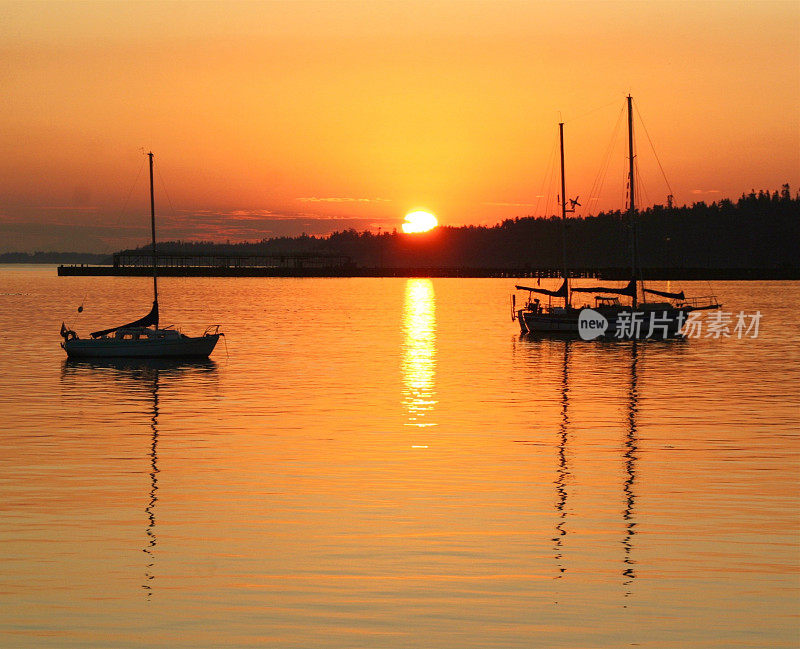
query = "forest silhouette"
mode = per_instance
[{"x": 759, "y": 230}]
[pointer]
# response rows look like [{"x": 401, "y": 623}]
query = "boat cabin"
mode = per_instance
[
  {"x": 145, "y": 333},
  {"x": 604, "y": 300}
]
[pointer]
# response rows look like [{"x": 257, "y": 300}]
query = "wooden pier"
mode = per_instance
[
  {"x": 311, "y": 271},
  {"x": 310, "y": 265}
]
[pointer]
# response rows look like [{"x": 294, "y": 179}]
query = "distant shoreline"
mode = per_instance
[
  {"x": 619, "y": 274},
  {"x": 55, "y": 258}
]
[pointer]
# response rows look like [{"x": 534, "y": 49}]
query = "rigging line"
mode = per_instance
[
  {"x": 130, "y": 193},
  {"x": 544, "y": 190},
  {"x": 644, "y": 199},
  {"x": 121, "y": 214},
  {"x": 641, "y": 189},
  {"x": 626, "y": 184},
  {"x": 605, "y": 164},
  {"x": 599, "y": 180},
  {"x": 547, "y": 175},
  {"x": 166, "y": 193},
  {"x": 589, "y": 112},
  {"x": 551, "y": 191},
  {"x": 653, "y": 148}
]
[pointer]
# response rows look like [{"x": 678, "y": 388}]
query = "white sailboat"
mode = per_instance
[
  {"x": 142, "y": 338},
  {"x": 637, "y": 317}
]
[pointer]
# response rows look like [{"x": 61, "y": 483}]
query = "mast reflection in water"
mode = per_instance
[
  {"x": 630, "y": 455},
  {"x": 574, "y": 430},
  {"x": 419, "y": 352},
  {"x": 151, "y": 506},
  {"x": 140, "y": 378},
  {"x": 562, "y": 473}
]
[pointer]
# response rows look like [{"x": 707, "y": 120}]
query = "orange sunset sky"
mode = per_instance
[{"x": 280, "y": 118}]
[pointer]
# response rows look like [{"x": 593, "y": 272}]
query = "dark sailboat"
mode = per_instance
[
  {"x": 638, "y": 318},
  {"x": 142, "y": 338},
  {"x": 536, "y": 317}
]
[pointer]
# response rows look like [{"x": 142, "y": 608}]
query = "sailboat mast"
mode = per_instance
[
  {"x": 632, "y": 186},
  {"x": 630, "y": 154},
  {"x": 564, "y": 214},
  {"x": 153, "y": 231}
]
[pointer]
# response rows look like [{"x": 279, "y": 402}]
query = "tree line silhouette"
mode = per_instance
[{"x": 759, "y": 230}]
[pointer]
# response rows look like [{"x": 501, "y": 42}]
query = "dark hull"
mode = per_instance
[{"x": 668, "y": 323}]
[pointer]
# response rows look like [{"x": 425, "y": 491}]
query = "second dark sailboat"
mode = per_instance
[{"x": 636, "y": 319}]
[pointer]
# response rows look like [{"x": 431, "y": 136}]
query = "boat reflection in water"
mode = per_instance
[
  {"x": 419, "y": 352},
  {"x": 573, "y": 424},
  {"x": 141, "y": 379},
  {"x": 562, "y": 473},
  {"x": 631, "y": 456}
]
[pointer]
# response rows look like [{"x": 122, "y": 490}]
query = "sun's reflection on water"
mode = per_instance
[{"x": 419, "y": 352}]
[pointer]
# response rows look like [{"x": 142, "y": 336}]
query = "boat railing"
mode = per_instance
[
  {"x": 212, "y": 330},
  {"x": 701, "y": 301}
]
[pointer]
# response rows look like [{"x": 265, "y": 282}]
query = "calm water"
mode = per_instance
[{"x": 386, "y": 463}]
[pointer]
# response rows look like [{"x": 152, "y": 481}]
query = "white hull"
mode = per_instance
[{"x": 178, "y": 347}]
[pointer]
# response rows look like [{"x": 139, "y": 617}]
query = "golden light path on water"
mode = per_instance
[{"x": 419, "y": 352}]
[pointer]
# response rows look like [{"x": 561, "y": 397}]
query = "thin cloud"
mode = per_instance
[
  {"x": 512, "y": 204},
  {"x": 233, "y": 213},
  {"x": 69, "y": 208},
  {"x": 336, "y": 199}
]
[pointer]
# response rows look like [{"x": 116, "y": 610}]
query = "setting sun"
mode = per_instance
[{"x": 419, "y": 221}]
